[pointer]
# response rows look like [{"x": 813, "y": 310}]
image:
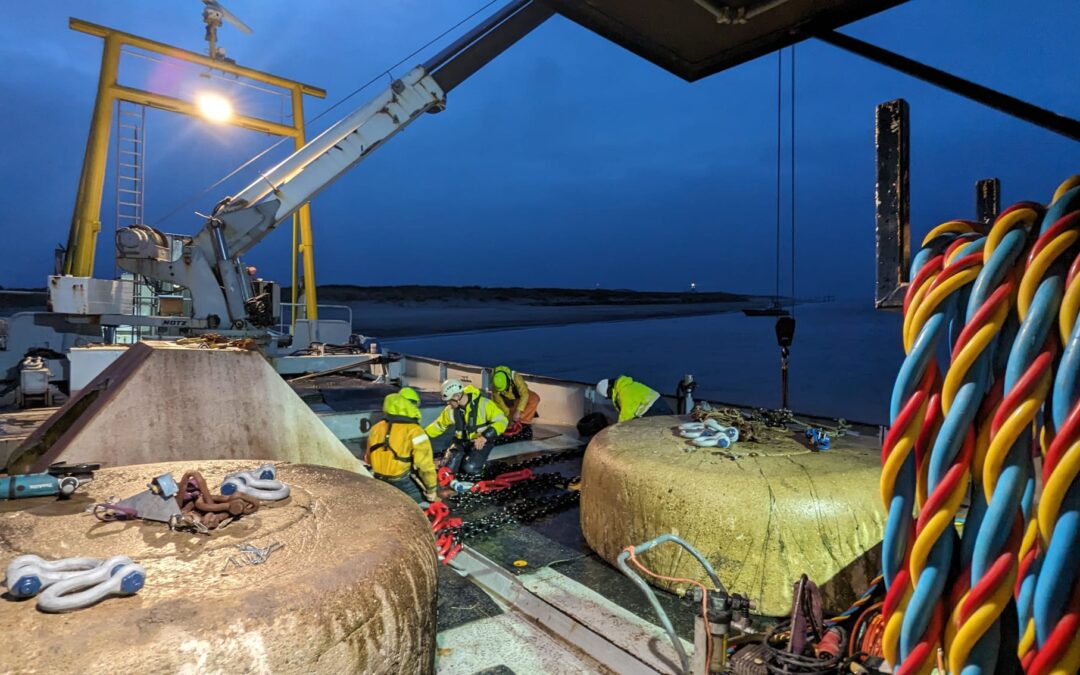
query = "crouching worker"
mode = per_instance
[
  {"x": 632, "y": 399},
  {"x": 476, "y": 422},
  {"x": 512, "y": 395},
  {"x": 398, "y": 447}
]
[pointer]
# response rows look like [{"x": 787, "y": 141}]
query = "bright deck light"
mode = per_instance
[{"x": 214, "y": 107}]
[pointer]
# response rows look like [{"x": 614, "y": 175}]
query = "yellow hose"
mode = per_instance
[
  {"x": 1068, "y": 184},
  {"x": 1027, "y": 640},
  {"x": 1070, "y": 662},
  {"x": 969, "y": 633},
  {"x": 962, "y": 361},
  {"x": 890, "y": 637},
  {"x": 1070, "y": 308},
  {"x": 1015, "y": 424},
  {"x": 891, "y": 469},
  {"x": 916, "y": 299},
  {"x": 933, "y": 529},
  {"x": 1053, "y": 494},
  {"x": 1036, "y": 270},
  {"x": 1004, "y": 225},
  {"x": 948, "y": 227},
  {"x": 934, "y": 299}
]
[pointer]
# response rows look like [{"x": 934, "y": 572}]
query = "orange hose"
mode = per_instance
[{"x": 704, "y": 603}]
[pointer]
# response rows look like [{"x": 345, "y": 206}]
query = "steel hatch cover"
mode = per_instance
[{"x": 685, "y": 38}]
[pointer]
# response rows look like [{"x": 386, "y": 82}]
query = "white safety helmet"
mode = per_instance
[
  {"x": 451, "y": 388},
  {"x": 602, "y": 387}
]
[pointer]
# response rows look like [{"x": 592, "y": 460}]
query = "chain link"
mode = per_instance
[
  {"x": 496, "y": 467},
  {"x": 538, "y": 483},
  {"x": 522, "y": 511}
]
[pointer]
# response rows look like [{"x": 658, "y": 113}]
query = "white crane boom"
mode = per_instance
[{"x": 208, "y": 264}]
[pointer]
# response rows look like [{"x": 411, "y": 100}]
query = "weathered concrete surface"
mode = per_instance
[
  {"x": 163, "y": 402},
  {"x": 352, "y": 591},
  {"x": 761, "y": 513}
]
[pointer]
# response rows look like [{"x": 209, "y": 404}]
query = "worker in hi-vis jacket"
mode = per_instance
[
  {"x": 632, "y": 399},
  {"x": 476, "y": 422},
  {"x": 398, "y": 447}
]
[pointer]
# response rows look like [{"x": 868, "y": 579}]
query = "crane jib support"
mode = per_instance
[
  {"x": 1010, "y": 105},
  {"x": 461, "y": 60}
]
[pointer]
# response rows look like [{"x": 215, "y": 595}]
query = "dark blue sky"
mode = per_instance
[{"x": 566, "y": 162}]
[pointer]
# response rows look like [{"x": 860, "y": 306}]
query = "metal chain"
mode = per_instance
[
  {"x": 522, "y": 511},
  {"x": 763, "y": 424},
  {"x": 497, "y": 467},
  {"x": 538, "y": 483}
]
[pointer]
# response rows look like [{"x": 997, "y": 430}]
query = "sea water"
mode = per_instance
[{"x": 843, "y": 361}]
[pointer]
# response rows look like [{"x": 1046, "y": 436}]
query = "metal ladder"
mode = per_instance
[
  {"x": 130, "y": 198},
  {"x": 130, "y": 163}
]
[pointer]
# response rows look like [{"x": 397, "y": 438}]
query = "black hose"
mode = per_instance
[{"x": 784, "y": 662}]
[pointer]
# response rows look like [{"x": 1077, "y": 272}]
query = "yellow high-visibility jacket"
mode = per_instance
[
  {"x": 397, "y": 445},
  {"x": 631, "y": 399},
  {"x": 479, "y": 417},
  {"x": 516, "y": 394}
]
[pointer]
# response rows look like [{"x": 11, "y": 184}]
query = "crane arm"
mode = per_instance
[
  {"x": 209, "y": 264},
  {"x": 270, "y": 200},
  {"x": 273, "y": 198}
]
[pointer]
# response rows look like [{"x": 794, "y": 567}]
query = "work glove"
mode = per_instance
[
  {"x": 431, "y": 495},
  {"x": 516, "y": 416},
  {"x": 479, "y": 442}
]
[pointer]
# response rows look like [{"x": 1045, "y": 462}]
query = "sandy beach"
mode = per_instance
[
  {"x": 410, "y": 311},
  {"x": 437, "y": 318}
]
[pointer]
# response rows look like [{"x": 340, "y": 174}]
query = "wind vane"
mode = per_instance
[{"x": 213, "y": 15}]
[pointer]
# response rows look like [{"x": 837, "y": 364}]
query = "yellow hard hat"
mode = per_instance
[{"x": 500, "y": 380}]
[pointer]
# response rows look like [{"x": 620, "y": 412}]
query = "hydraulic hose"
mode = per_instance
[
  {"x": 665, "y": 622},
  {"x": 1052, "y": 637},
  {"x": 926, "y": 320},
  {"x": 1007, "y": 301},
  {"x": 944, "y": 468}
]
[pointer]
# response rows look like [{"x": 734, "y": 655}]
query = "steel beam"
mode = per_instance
[
  {"x": 140, "y": 42},
  {"x": 86, "y": 220},
  {"x": 459, "y": 61},
  {"x": 303, "y": 234},
  {"x": 188, "y": 108},
  {"x": 500, "y": 583},
  {"x": 1049, "y": 120},
  {"x": 987, "y": 200},
  {"x": 78, "y": 256},
  {"x": 892, "y": 203}
]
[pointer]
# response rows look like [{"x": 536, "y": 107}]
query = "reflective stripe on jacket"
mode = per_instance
[
  {"x": 631, "y": 399},
  {"x": 398, "y": 444},
  {"x": 479, "y": 416}
]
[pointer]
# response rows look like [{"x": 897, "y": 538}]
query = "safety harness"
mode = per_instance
[
  {"x": 384, "y": 444},
  {"x": 462, "y": 426}
]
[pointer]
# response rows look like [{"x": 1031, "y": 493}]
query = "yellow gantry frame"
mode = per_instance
[{"x": 86, "y": 221}]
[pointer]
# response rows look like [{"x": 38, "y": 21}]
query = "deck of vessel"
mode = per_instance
[{"x": 546, "y": 560}]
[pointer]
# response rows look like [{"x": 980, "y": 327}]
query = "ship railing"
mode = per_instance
[{"x": 326, "y": 313}]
